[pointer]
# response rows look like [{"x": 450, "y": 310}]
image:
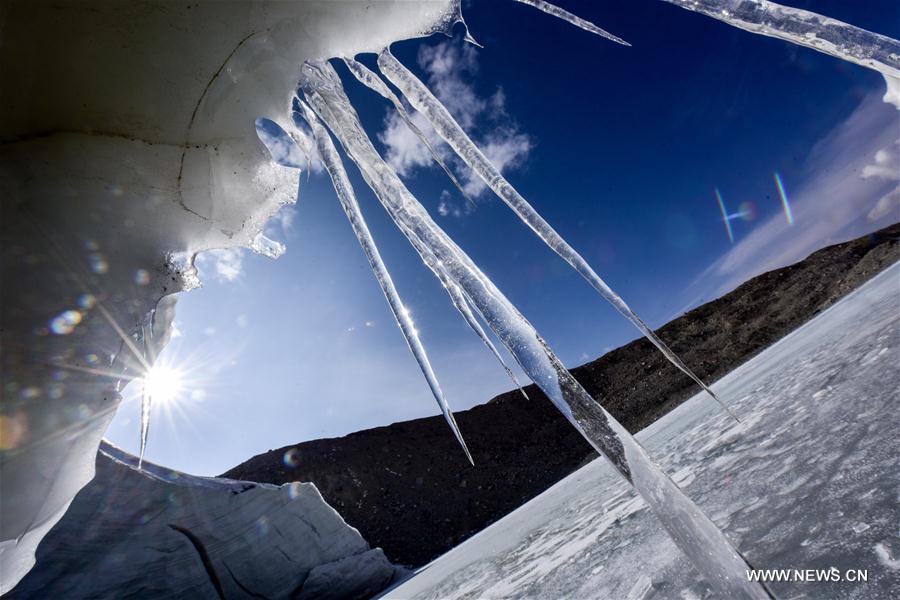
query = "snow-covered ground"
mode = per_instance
[{"x": 810, "y": 479}]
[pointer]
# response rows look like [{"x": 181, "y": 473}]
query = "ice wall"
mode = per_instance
[{"x": 127, "y": 145}]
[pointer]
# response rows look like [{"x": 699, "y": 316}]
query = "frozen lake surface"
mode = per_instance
[{"x": 810, "y": 479}]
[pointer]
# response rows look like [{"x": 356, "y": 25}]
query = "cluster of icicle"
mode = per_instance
[
  {"x": 327, "y": 111},
  {"x": 322, "y": 109}
]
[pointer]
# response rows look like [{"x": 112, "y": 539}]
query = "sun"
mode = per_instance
[{"x": 163, "y": 384}]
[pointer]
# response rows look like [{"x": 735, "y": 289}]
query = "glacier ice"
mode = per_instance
[
  {"x": 552, "y": 9},
  {"x": 693, "y": 532},
  {"x": 447, "y": 127},
  {"x": 344, "y": 190}
]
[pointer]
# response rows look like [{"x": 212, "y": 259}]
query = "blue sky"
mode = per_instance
[{"x": 620, "y": 149}]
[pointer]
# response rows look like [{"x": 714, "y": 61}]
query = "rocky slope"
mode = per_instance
[{"x": 409, "y": 490}]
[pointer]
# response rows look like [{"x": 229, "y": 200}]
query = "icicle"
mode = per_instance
[
  {"x": 423, "y": 101},
  {"x": 575, "y": 20},
  {"x": 146, "y": 400},
  {"x": 264, "y": 246},
  {"x": 692, "y": 531},
  {"x": 373, "y": 82},
  {"x": 302, "y": 135},
  {"x": 347, "y": 197},
  {"x": 805, "y": 28},
  {"x": 462, "y": 305}
]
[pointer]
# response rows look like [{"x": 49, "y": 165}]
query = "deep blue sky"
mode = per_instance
[{"x": 619, "y": 148}]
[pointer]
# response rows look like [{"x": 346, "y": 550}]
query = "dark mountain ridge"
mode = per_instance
[{"x": 409, "y": 489}]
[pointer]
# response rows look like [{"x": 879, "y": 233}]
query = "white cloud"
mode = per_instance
[
  {"x": 448, "y": 207},
  {"x": 226, "y": 265},
  {"x": 888, "y": 204},
  {"x": 286, "y": 217},
  {"x": 281, "y": 225},
  {"x": 283, "y": 149},
  {"x": 886, "y": 165},
  {"x": 450, "y": 66},
  {"x": 405, "y": 151},
  {"x": 843, "y": 195},
  {"x": 506, "y": 149},
  {"x": 447, "y": 63}
]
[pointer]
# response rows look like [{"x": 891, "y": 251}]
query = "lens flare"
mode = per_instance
[
  {"x": 725, "y": 218},
  {"x": 747, "y": 212},
  {"x": 785, "y": 203}
]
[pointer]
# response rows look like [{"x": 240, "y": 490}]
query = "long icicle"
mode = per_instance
[
  {"x": 462, "y": 305},
  {"x": 372, "y": 81},
  {"x": 693, "y": 532},
  {"x": 146, "y": 405},
  {"x": 458, "y": 297},
  {"x": 552, "y": 9},
  {"x": 806, "y": 28},
  {"x": 146, "y": 392},
  {"x": 347, "y": 197},
  {"x": 447, "y": 127}
]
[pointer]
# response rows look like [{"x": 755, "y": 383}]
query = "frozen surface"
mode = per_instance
[
  {"x": 809, "y": 479},
  {"x": 158, "y": 533}
]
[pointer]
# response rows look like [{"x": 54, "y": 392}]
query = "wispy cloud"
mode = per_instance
[
  {"x": 886, "y": 166},
  {"x": 450, "y": 67},
  {"x": 448, "y": 207},
  {"x": 850, "y": 188},
  {"x": 405, "y": 151},
  {"x": 224, "y": 265}
]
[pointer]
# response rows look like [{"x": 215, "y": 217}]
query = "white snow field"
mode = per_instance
[{"x": 808, "y": 480}]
